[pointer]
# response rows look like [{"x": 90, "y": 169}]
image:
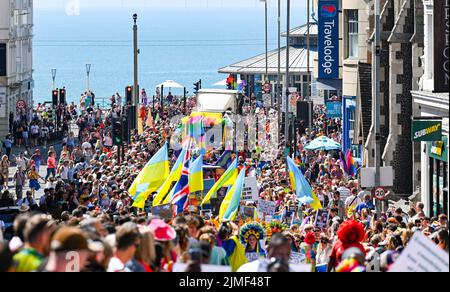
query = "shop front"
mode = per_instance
[{"x": 438, "y": 177}]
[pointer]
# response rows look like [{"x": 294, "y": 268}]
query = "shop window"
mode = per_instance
[{"x": 2, "y": 59}]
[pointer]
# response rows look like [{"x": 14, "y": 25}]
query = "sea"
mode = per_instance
[{"x": 180, "y": 44}]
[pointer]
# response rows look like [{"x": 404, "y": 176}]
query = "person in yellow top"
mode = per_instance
[
  {"x": 37, "y": 235},
  {"x": 34, "y": 176},
  {"x": 231, "y": 244}
]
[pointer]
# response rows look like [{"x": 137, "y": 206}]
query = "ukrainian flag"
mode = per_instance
[
  {"x": 174, "y": 176},
  {"x": 301, "y": 186},
  {"x": 230, "y": 204},
  {"x": 227, "y": 179},
  {"x": 196, "y": 175},
  {"x": 151, "y": 177}
]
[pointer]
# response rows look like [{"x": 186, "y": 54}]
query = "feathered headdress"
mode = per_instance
[
  {"x": 275, "y": 227},
  {"x": 351, "y": 232},
  {"x": 254, "y": 229}
]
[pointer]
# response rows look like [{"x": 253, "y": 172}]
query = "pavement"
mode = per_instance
[{"x": 43, "y": 169}]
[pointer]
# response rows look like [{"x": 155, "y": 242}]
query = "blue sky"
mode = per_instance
[{"x": 85, "y": 4}]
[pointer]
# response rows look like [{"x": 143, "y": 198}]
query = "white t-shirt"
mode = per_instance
[
  {"x": 86, "y": 145},
  {"x": 116, "y": 265},
  {"x": 349, "y": 200},
  {"x": 345, "y": 193},
  {"x": 64, "y": 172},
  {"x": 35, "y": 129}
]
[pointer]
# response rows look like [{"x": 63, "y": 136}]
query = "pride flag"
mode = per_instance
[
  {"x": 301, "y": 186},
  {"x": 227, "y": 179},
  {"x": 350, "y": 163},
  {"x": 151, "y": 177},
  {"x": 230, "y": 204}
]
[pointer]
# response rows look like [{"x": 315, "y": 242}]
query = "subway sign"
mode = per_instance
[
  {"x": 328, "y": 39},
  {"x": 426, "y": 130}
]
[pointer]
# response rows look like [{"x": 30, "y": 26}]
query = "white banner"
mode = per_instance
[
  {"x": 421, "y": 255},
  {"x": 250, "y": 192}
]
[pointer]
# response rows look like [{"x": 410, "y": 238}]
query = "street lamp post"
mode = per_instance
[
  {"x": 53, "y": 77},
  {"x": 267, "y": 45},
  {"x": 88, "y": 72},
  {"x": 135, "y": 53},
  {"x": 286, "y": 123},
  {"x": 279, "y": 92}
]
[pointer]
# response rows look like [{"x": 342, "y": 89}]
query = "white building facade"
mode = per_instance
[{"x": 16, "y": 61}]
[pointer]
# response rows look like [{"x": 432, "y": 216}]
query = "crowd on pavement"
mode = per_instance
[{"x": 86, "y": 206}]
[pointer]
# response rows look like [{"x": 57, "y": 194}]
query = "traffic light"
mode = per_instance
[
  {"x": 62, "y": 96},
  {"x": 197, "y": 86},
  {"x": 117, "y": 134},
  {"x": 129, "y": 95},
  {"x": 55, "y": 97},
  {"x": 230, "y": 82}
]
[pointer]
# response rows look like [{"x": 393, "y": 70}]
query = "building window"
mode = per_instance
[
  {"x": 3, "y": 60},
  {"x": 352, "y": 29}
]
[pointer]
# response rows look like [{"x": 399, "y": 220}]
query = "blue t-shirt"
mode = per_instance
[{"x": 365, "y": 205}]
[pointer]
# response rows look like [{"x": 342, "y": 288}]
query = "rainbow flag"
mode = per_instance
[
  {"x": 151, "y": 177},
  {"x": 230, "y": 204},
  {"x": 350, "y": 163}
]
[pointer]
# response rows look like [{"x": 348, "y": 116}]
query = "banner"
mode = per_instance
[
  {"x": 440, "y": 44},
  {"x": 267, "y": 207},
  {"x": 421, "y": 255},
  {"x": 328, "y": 39},
  {"x": 250, "y": 192},
  {"x": 426, "y": 130}
]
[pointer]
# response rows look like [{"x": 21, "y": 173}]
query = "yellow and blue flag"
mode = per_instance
[
  {"x": 301, "y": 186},
  {"x": 231, "y": 202},
  {"x": 196, "y": 175},
  {"x": 151, "y": 177},
  {"x": 174, "y": 176},
  {"x": 227, "y": 179}
]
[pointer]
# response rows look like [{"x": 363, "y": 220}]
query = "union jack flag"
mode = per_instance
[{"x": 180, "y": 196}]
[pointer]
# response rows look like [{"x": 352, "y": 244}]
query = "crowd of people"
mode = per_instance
[{"x": 86, "y": 208}]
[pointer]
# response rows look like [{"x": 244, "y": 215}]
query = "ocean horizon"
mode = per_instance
[{"x": 181, "y": 44}]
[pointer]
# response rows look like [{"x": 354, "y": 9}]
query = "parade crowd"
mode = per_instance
[{"x": 86, "y": 206}]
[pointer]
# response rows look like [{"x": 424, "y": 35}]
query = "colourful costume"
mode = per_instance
[{"x": 257, "y": 230}]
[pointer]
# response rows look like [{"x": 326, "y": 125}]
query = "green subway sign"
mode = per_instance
[{"x": 426, "y": 131}]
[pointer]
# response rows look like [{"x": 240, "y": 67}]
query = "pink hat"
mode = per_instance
[{"x": 162, "y": 231}]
